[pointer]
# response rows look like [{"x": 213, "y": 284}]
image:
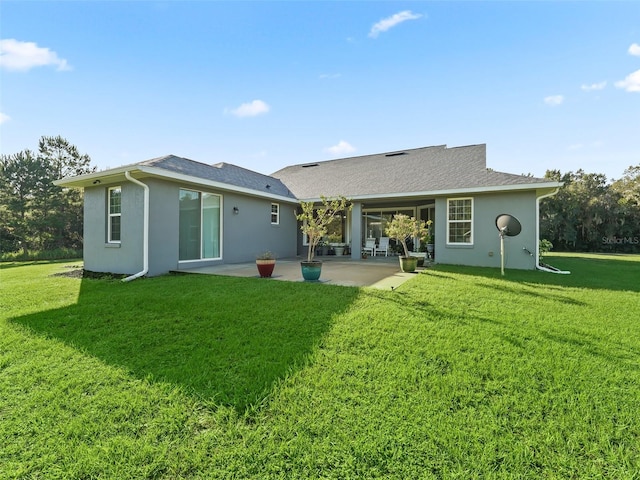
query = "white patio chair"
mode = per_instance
[
  {"x": 383, "y": 246},
  {"x": 370, "y": 247}
]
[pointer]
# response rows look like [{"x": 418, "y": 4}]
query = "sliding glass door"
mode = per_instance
[
  {"x": 375, "y": 222},
  {"x": 199, "y": 225}
]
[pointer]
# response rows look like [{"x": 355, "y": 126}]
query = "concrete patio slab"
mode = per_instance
[{"x": 382, "y": 272}]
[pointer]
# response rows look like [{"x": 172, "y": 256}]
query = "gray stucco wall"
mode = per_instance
[
  {"x": 485, "y": 250},
  {"x": 250, "y": 232},
  {"x": 164, "y": 214},
  {"x": 100, "y": 256},
  {"x": 244, "y": 235}
]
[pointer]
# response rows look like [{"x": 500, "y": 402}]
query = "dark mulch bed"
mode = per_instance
[{"x": 75, "y": 272}]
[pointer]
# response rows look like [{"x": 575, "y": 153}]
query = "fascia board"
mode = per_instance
[
  {"x": 449, "y": 192},
  {"x": 87, "y": 179}
]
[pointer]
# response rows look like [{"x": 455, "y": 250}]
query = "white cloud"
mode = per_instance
[
  {"x": 4, "y": 118},
  {"x": 341, "y": 148},
  {"x": 634, "y": 50},
  {"x": 594, "y": 86},
  {"x": 23, "y": 56},
  {"x": 580, "y": 146},
  {"x": 631, "y": 83},
  {"x": 390, "y": 22},
  {"x": 554, "y": 100},
  {"x": 251, "y": 109},
  {"x": 326, "y": 76}
]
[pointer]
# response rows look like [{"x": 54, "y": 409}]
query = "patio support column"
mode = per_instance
[{"x": 356, "y": 230}]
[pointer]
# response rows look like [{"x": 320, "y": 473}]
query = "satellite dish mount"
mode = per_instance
[{"x": 508, "y": 226}]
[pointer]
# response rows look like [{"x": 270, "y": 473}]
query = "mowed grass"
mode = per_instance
[{"x": 459, "y": 373}]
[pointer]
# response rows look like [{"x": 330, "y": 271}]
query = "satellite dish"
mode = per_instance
[{"x": 508, "y": 225}]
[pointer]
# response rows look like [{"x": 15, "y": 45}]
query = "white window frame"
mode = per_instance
[
  {"x": 111, "y": 215},
  {"x": 276, "y": 213},
  {"x": 470, "y": 220}
]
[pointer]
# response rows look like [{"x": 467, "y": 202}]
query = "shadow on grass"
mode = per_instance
[
  {"x": 564, "y": 299},
  {"x": 524, "y": 334},
  {"x": 606, "y": 273},
  {"x": 225, "y": 340},
  {"x": 623, "y": 353}
]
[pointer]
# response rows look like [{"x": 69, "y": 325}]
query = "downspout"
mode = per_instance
[
  {"x": 145, "y": 230},
  {"x": 537, "y": 253}
]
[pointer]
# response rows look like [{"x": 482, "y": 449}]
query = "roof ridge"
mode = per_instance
[
  {"x": 381, "y": 154},
  {"x": 467, "y": 146},
  {"x": 253, "y": 172},
  {"x": 366, "y": 155},
  {"x": 166, "y": 157}
]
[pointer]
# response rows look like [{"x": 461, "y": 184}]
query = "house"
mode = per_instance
[{"x": 171, "y": 213}]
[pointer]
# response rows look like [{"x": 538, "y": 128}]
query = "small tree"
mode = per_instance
[
  {"x": 315, "y": 221},
  {"x": 403, "y": 227}
]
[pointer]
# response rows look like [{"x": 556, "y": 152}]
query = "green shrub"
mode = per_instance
[{"x": 57, "y": 254}]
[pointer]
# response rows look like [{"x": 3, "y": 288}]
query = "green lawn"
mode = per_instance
[{"x": 458, "y": 373}]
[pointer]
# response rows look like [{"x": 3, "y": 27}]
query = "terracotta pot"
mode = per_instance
[{"x": 265, "y": 267}]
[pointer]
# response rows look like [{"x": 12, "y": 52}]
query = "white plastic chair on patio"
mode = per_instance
[
  {"x": 370, "y": 247},
  {"x": 383, "y": 246}
]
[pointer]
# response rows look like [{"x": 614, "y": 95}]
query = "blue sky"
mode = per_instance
[{"x": 546, "y": 85}]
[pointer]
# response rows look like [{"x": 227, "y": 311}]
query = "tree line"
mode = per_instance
[
  {"x": 36, "y": 214},
  {"x": 587, "y": 213}
]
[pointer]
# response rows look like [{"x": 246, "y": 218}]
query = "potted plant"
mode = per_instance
[
  {"x": 401, "y": 228},
  {"x": 430, "y": 245},
  {"x": 335, "y": 240},
  {"x": 265, "y": 262},
  {"x": 315, "y": 223},
  {"x": 322, "y": 248},
  {"x": 429, "y": 239}
]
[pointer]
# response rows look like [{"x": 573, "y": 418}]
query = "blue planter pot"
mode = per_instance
[{"x": 311, "y": 270}]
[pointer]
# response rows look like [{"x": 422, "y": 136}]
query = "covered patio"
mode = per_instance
[{"x": 367, "y": 222}]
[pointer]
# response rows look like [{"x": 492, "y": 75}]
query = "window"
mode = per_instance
[
  {"x": 460, "y": 221},
  {"x": 114, "y": 210},
  {"x": 275, "y": 214},
  {"x": 199, "y": 225}
]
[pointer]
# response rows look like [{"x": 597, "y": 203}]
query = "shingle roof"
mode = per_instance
[
  {"x": 221, "y": 172},
  {"x": 428, "y": 169},
  {"x": 407, "y": 173}
]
